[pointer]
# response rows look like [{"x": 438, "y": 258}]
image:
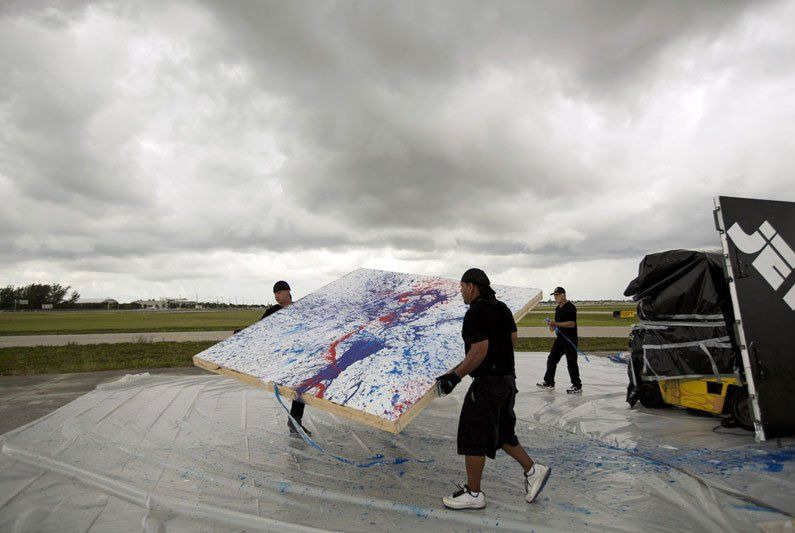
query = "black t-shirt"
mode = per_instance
[
  {"x": 492, "y": 320},
  {"x": 272, "y": 309},
  {"x": 567, "y": 313}
]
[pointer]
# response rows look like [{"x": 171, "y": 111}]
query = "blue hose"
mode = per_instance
[{"x": 560, "y": 334}]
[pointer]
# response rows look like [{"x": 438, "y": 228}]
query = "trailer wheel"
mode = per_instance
[
  {"x": 650, "y": 395},
  {"x": 741, "y": 410}
]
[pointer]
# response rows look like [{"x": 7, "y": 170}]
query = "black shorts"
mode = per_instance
[{"x": 487, "y": 419}]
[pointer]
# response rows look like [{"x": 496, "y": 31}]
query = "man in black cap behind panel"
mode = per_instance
[
  {"x": 565, "y": 343},
  {"x": 281, "y": 292},
  {"x": 487, "y": 421}
]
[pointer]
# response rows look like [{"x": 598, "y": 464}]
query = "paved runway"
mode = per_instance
[
  {"x": 584, "y": 331},
  {"x": 112, "y": 338}
]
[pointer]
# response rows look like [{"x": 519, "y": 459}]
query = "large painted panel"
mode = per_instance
[{"x": 372, "y": 341}]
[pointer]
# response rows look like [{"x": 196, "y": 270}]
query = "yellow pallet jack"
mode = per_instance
[{"x": 718, "y": 396}]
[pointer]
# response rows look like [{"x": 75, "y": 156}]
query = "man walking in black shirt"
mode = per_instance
[
  {"x": 281, "y": 292},
  {"x": 565, "y": 326},
  {"x": 487, "y": 422}
]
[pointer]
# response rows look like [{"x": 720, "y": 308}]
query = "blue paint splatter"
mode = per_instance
[
  {"x": 573, "y": 508},
  {"x": 752, "y": 507},
  {"x": 360, "y": 349}
]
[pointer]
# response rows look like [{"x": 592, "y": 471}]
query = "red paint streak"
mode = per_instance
[
  {"x": 331, "y": 357},
  {"x": 312, "y": 383},
  {"x": 390, "y": 317}
]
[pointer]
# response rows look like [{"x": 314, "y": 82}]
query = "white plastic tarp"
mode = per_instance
[{"x": 208, "y": 453}]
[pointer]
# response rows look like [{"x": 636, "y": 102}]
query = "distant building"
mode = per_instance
[
  {"x": 97, "y": 302},
  {"x": 166, "y": 303}
]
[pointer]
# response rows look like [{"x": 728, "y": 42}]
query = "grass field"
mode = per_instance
[
  {"x": 51, "y": 323},
  {"x": 94, "y": 357}
]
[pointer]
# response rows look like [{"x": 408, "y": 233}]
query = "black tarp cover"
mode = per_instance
[
  {"x": 673, "y": 351},
  {"x": 681, "y": 285}
]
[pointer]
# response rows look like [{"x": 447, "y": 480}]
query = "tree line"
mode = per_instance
[{"x": 37, "y": 294}]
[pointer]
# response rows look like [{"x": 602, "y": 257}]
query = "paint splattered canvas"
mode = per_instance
[{"x": 368, "y": 346}]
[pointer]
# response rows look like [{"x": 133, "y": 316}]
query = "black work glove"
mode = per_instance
[{"x": 447, "y": 383}]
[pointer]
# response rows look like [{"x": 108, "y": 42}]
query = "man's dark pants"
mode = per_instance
[
  {"x": 560, "y": 347},
  {"x": 487, "y": 420},
  {"x": 297, "y": 410}
]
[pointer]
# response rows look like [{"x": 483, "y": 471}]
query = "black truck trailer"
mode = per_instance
[{"x": 717, "y": 330}]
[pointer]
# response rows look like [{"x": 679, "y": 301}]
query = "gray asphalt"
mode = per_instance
[
  {"x": 182, "y": 336},
  {"x": 582, "y": 331},
  {"x": 24, "y": 399}
]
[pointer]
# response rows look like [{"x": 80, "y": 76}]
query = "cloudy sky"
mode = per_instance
[{"x": 179, "y": 148}]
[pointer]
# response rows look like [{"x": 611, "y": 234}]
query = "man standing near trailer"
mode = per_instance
[
  {"x": 565, "y": 328},
  {"x": 487, "y": 421}
]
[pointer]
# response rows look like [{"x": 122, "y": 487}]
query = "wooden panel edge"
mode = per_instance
[
  {"x": 334, "y": 408},
  {"x": 520, "y": 314},
  {"x": 202, "y": 363},
  {"x": 416, "y": 409}
]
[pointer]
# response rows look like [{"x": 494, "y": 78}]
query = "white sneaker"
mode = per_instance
[
  {"x": 465, "y": 499},
  {"x": 534, "y": 481}
]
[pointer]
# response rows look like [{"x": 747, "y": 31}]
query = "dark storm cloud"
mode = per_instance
[{"x": 367, "y": 81}]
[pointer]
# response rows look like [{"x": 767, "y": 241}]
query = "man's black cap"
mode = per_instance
[
  {"x": 281, "y": 286},
  {"x": 558, "y": 290},
  {"x": 476, "y": 276}
]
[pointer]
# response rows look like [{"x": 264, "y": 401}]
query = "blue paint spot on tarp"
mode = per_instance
[
  {"x": 418, "y": 511},
  {"x": 752, "y": 507},
  {"x": 573, "y": 508}
]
